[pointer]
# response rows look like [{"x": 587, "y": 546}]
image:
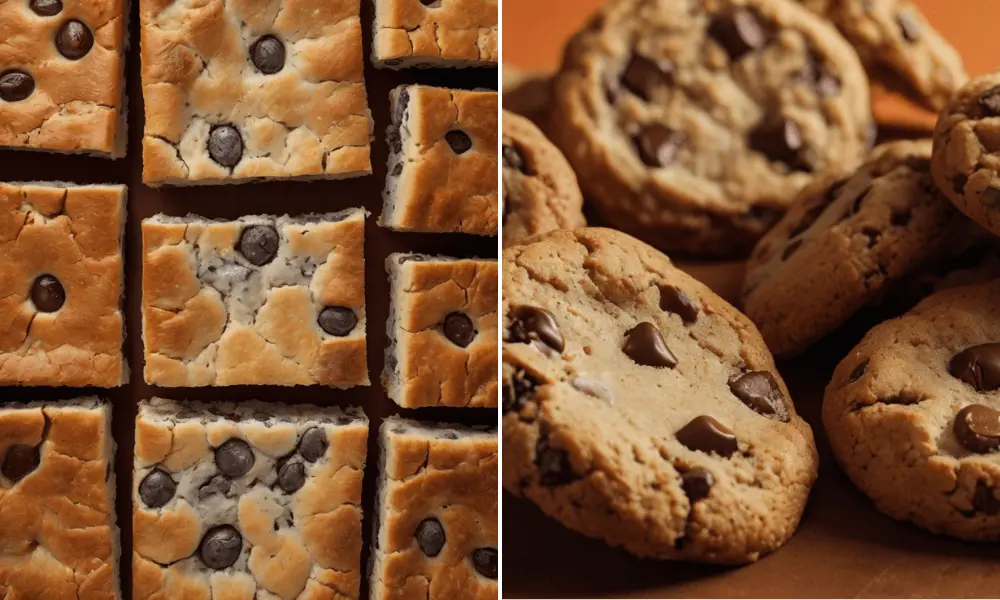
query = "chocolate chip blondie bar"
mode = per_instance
[
  {"x": 247, "y": 501},
  {"x": 61, "y": 284},
  {"x": 442, "y": 331},
  {"x": 435, "y": 33},
  {"x": 238, "y": 91},
  {"x": 436, "y": 535},
  {"x": 62, "y": 76},
  {"x": 442, "y": 161},
  {"x": 57, "y": 501},
  {"x": 261, "y": 300}
]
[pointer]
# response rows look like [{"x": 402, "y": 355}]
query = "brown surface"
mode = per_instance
[{"x": 267, "y": 198}]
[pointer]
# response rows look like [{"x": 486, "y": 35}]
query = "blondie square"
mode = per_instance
[{"x": 435, "y": 33}]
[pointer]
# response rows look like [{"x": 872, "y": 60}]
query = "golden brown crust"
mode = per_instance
[
  {"x": 462, "y": 33},
  {"x": 212, "y": 318},
  {"x": 74, "y": 235}
]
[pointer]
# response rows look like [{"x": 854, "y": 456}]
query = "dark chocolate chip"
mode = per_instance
[
  {"x": 978, "y": 366},
  {"x": 706, "y": 434},
  {"x": 738, "y": 32},
  {"x": 459, "y": 329},
  {"x": 225, "y": 145},
  {"x": 485, "y": 561},
  {"x": 16, "y": 86},
  {"x": 46, "y": 8},
  {"x": 643, "y": 75},
  {"x": 19, "y": 461},
  {"x": 984, "y": 499},
  {"x": 268, "y": 55},
  {"x": 780, "y": 140},
  {"x": 74, "y": 40},
  {"x": 513, "y": 158},
  {"x": 291, "y": 477},
  {"x": 459, "y": 141},
  {"x": 221, "y": 547},
  {"x": 530, "y": 323},
  {"x": 234, "y": 458},
  {"x": 977, "y": 427},
  {"x": 645, "y": 346},
  {"x": 430, "y": 536},
  {"x": 674, "y": 300},
  {"x": 313, "y": 444},
  {"x": 518, "y": 390},
  {"x": 430, "y": 2},
  {"x": 47, "y": 294},
  {"x": 791, "y": 249},
  {"x": 958, "y": 183},
  {"x": 553, "y": 465},
  {"x": 817, "y": 207},
  {"x": 760, "y": 391},
  {"x": 817, "y": 75},
  {"x": 872, "y": 234},
  {"x": 337, "y": 320},
  {"x": 697, "y": 483},
  {"x": 259, "y": 244},
  {"x": 909, "y": 26},
  {"x": 157, "y": 488},
  {"x": 900, "y": 219},
  {"x": 215, "y": 485},
  {"x": 658, "y": 145},
  {"x": 858, "y": 372},
  {"x": 989, "y": 102}
]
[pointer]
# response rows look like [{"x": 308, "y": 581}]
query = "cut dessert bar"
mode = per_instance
[
  {"x": 247, "y": 501},
  {"x": 239, "y": 91},
  {"x": 261, "y": 300},
  {"x": 58, "y": 533},
  {"x": 436, "y": 534},
  {"x": 442, "y": 331},
  {"x": 435, "y": 33},
  {"x": 62, "y": 76},
  {"x": 442, "y": 161},
  {"x": 61, "y": 284}
]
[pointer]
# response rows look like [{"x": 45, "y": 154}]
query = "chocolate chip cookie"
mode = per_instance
[
  {"x": 847, "y": 240},
  {"x": 526, "y": 93},
  {"x": 540, "y": 192},
  {"x": 641, "y": 408},
  {"x": 693, "y": 123},
  {"x": 913, "y": 414}
]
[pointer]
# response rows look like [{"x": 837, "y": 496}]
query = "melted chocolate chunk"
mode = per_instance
[
  {"x": 530, "y": 323},
  {"x": 291, "y": 477},
  {"x": 313, "y": 444},
  {"x": 513, "y": 158},
  {"x": 485, "y": 561},
  {"x": 780, "y": 140},
  {"x": 645, "y": 346},
  {"x": 760, "y": 391},
  {"x": 74, "y": 40},
  {"x": 46, "y": 8},
  {"x": 989, "y": 105},
  {"x": 459, "y": 329},
  {"x": 337, "y": 320},
  {"x": 706, "y": 434},
  {"x": 19, "y": 461},
  {"x": 430, "y": 537},
  {"x": 553, "y": 465},
  {"x": 221, "y": 547},
  {"x": 259, "y": 244},
  {"x": 459, "y": 141},
  {"x": 738, "y": 32},
  {"x": 978, "y": 366},
  {"x": 225, "y": 145},
  {"x": 674, "y": 300},
  {"x": 643, "y": 75},
  {"x": 658, "y": 145},
  {"x": 47, "y": 294},
  {"x": 234, "y": 458},
  {"x": 157, "y": 488},
  {"x": 518, "y": 390},
  {"x": 697, "y": 483},
  {"x": 16, "y": 86},
  {"x": 977, "y": 427},
  {"x": 268, "y": 55}
]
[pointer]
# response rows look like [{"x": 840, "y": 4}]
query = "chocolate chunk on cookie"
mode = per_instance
[
  {"x": 913, "y": 414},
  {"x": 621, "y": 370},
  {"x": 692, "y": 125},
  {"x": 846, "y": 243}
]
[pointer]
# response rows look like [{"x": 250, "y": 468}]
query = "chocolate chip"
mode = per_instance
[
  {"x": 19, "y": 461},
  {"x": 268, "y": 55},
  {"x": 817, "y": 75},
  {"x": 645, "y": 346},
  {"x": 553, "y": 465},
  {"x": 225, "y": 145},
  {"x": 259, "y": 244},
  {"x": 459, "y": 330},
  {"x": 856, "y": 205},
  {"x": 518, "y": 390},
  {"x": 978, "y": 366},
  {"x": 337, "y": 320},
  {"x": 215, "y": 485},
  {"x": 858, "y": 372},
  {"x": 642, "y": 75},
  {"x": 760, "y": 391},
  {"x": 977, "y": 427},
  {"x": 738, "y": 32},
  {"x": 697, "y": 483},
  {"x": 47, "y": 294},
  {"x": 291, "y": 477},
  {"x": 74, "y": 40},
  {"x": 989, "y": 102},
  {"x": 984, "y": 500},
  {"x": 791, "y": 249},
  {"x": 430, "y": 536},
  {"x": 16, "y": 86},
  {"x": 530, "y": 323},
  {"x": 313, "y": 444},
  {"x": 46, "y": 8},
  {"x": 658, "y": 145},
  {"x": 485, "y": 562},
  {"x": 514, "y": 159},
  {"x": 706, "y": 434},
  {"x": 221, "y": 547},
  {"x": 157, "y": 488},
  {"x": 816, "y": 209},
  {"x": 459, "y": 141},
  {"x": 234, "y": 458},
  {"x": 674, "y": 300},
  {"x": 780, "y": 140},
  {"x": 909, "y": 27},
  {"x": 958, "y": 183}
]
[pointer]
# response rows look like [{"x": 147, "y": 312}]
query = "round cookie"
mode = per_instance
[
  {"x": 540, "y": 192},
  {"x": 692, "y": 123},
  {"x": 641, "y": 408},
  {"x": 526, "y": 93},
  {"x": 844, "y": 244},
  {"x": 913, "y": 414}
]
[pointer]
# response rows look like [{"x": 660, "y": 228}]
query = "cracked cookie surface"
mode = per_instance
[
  {"x": 435, "y": 33},
  {"x": 540, "y": 192},
  {"x": 442, "y": 330},
  {"x": 692, "y": 123},
  {"x": 442, "y": 161},
  {"x": 57, "y": 501},
  {"x": 61, "y": 285},
  {"x": 913, "y": 414},
  {"x": 261, "y": 300},
  {"x": 642, "y": 409},
  {"x": 436, "y": 535},
  {"x": 848, "y": 240},
  {"x": 248, "y": 501},
  {"x": 239, "y": 90}
]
